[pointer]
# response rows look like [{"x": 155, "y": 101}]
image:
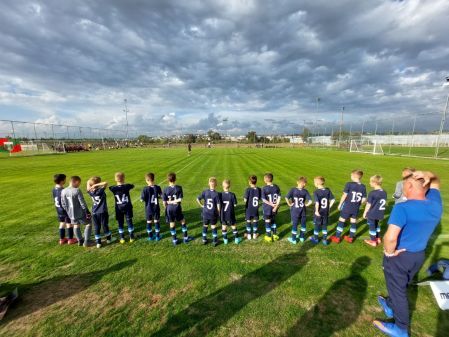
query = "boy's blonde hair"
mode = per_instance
[
  {"x": 358, "y": 173},
  {"x": 376, "y": 179},
  {"x": 227, "y": 182},
  {"x": 213, "y": 180},
  {"x": 320, "y": 179},
  {"x": 119, "y": 176},
  {"x": 95, "y": 180},
  {"x": 302, "y": 180}
]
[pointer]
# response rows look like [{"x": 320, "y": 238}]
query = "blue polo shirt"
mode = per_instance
[{"x": 417, "y": 219}]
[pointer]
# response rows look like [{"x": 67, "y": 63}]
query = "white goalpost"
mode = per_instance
[{"x": 366, "y": 146}]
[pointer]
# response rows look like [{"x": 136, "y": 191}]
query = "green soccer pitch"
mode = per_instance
[{"x": 154, "y": 289}]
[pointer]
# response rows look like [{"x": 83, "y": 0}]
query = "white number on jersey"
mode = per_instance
[
  {"x": 57, "y": 203},
  {"x": 255, "y": 201},
  {"x": 96, "y": 200},
  {"x": 299, "y": 202},
  {"x": 382, "y": 203},
  {"x": 153, "y": 200},
  {"x": 226, "y": 203},
  {"x": 209, "y": 203},
  {"x": 124, "y": 199},
  {"x": 356, "y": 196},
  {"x": 272, "y": 198},
  {"x": 323, "y": 203}
]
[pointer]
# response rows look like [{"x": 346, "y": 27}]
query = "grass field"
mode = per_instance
[{"x": 154, "y": 289}]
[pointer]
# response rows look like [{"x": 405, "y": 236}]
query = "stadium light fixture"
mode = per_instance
[{"x": 443, "y": 119}]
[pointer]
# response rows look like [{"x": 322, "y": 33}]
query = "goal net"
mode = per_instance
[
  {"x": 366, "y": 146},
  {"x": 30, "y": 148}
]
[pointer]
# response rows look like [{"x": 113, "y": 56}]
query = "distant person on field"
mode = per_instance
[
  {"x": 354, "y": 195},
  {"x": 72, "y": 200},
  {"x": 271, "y": 199},
  {"x": 150, "y": 196},
  {"x": 375, "y": 210},
  {"x": 189, "y": 149},
  {"x": 298, "y": 198},
  {"x": 324, "y": 200},
  {"x": 227, "y": 215},
  {"x": 100, "y": 215},
  {"x": 410, "y": 227},
  {"x": 251, "y": 198},
  {"x": 209, "y": 201},
  {"x": 398, "y": 193},
  {"x": 123, "y": 206},
  {"x": 63, "y": 218},
  {"x": 172, "y": 197}
]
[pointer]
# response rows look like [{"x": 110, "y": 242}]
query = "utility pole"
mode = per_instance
[
  {"x": 443, "y": 120},
  {"x": 341, "y": 124},
  {"x": 125, "y": 110}
]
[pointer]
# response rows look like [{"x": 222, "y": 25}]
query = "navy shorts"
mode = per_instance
[
  {"x": 347, "y": 213},
  {"x": 63, "y": 218},
  {"x": 250, "y": 214},
  {"x": 100, "y": 219},
  {"x": 268, "y": 214},
  {"x": 155, "y": 216},
  {"x": 228, "y": 221},
  {"x": 173, "y": 215},
  {"x": 321, "y": 220},
  {"x": 212, "y": 221},
  {"x": 297, "y": 219},
  {"x": 123, "y": 213}
]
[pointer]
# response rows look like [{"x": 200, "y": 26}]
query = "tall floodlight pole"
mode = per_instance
[
  {"x": 125, "y": 110},
  {"x": 443, "y": 120},
  {"x": 341, "y": 124}
]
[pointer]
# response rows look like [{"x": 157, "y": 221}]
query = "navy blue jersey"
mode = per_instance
[
  {"x": 121, "y": 195},
  {"x": 299, "y": 196},
  {"x": 151, "y": 195},
  {"x": 378, "y": 200},
  {"x": 323, "y": 197},
  {"x": 252, "y": 196},
  {"x": 270, "y": 193},
  {"x": 228, "y": 203},
  {"x": 211, "y": 201},
  {"x": 172, "y": 193},
  {"x": 57, "y": 200},
  {"x": 355, "y": 193},
  {"x": 99, "y": 204}
]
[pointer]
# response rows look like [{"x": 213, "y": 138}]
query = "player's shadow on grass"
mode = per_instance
[
  {"x": 210, "y": 312},
  {"x": 39, "y": 295},
  {"x": 338, "y": 308}
]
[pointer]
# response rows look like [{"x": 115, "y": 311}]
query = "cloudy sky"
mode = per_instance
[{"x": 230, "y": 65}]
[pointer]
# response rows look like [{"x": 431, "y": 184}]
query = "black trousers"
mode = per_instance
[{"x": 399, "y": 272}]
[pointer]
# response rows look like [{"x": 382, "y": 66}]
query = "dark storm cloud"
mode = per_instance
[{"x": 190, "y": 64}]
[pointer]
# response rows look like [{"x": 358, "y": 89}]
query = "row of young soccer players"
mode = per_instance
[{"x": 73, "y": 211}]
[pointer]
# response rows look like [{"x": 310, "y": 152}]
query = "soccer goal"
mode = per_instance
[
  {"x": 30, "y": 148},
  {"x": 366, "y": 146}
]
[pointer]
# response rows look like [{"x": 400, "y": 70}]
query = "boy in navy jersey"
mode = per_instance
[
  {"x": 123, "y": 206},
  {"x": 172, "y": 197},
  {"x": 375, "y": 210},
  {"x": 354, "y": 195},
  {"x": 100, "y": 215},
  {"x": 151, "y": 195},
  {"x": 251, "y": 198},
  {"x": 271, "y": 199},
  {"x": 227, "y": 216},
  {"x": 298, "y": 198},
  {"x": 211, "y": 210},
  {"x": 324, "y": 199},
  {"x": 63, "y": 218}
]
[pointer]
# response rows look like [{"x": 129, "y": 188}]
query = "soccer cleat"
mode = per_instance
[
  {"x": 383, "y": 303},
  {"x": 122, "y": 241},
  {"x": 379, "y": 241},
  {"x": 314, "y": 240},
  {"x": 158, "y": 238},
  {"x": 72, "y": 241},
  {"x": 248, "y": 236},
  {"x": 237, "y": 240},
  {"x": 292, "y": 241},
  {"x": 255, "y": 235},
  {"x": 205, "y": 241},
  {"x": 225, "y": 241},
  {"x": 301, "y": 240},
  {"x": 390, "y": 329},
  {"x": 150, "y": 238},
  {"x": 98, "y": 245},
  {"x": 187, "y": 239},
  {"x": 63, "y": 241},
  {"x": 372, "y": 243},
  {"x": 275, "y": 237},
  {"x": 334, "y": 239},
  {"x": 348, "y": 239},
  {"x": 175, "y": 242},
  {"x": 81, "y": 242},
  {"x": 325, "y": 242},
  {"x": 215, "y": 243},
  {"x": 268, "y": 238},
  {"x": 131, "y": 240}
]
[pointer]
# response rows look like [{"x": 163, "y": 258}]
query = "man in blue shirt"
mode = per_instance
[{"x": 411, "y": 224}]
